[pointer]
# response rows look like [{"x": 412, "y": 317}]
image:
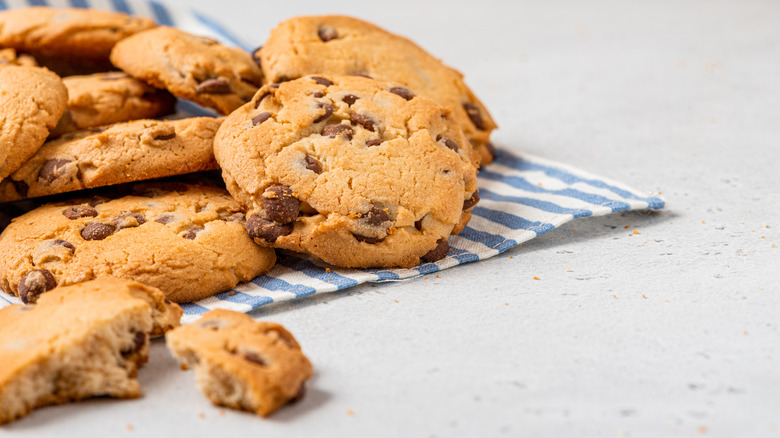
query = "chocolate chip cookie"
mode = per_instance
[
  {"x": 125, "y": 152},
  {"x": 242, "y": 363},
  {"x": 77, "y": 342},
  {"x": 191, "y": 67},
  {"x": 347, "y": 46},
  {"x": 32, "y": 100},
  {"x": 187, "y": 240},
  {"x": 71, "y": 38},
  {"x": 357, "y": 172},
  {"x": 114, "y": 97}
]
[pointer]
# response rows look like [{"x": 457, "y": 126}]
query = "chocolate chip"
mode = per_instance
[
  {"x": 164, "y": 219},
  {"x": 491, "y": 149},
  {"x": 166, "y": 137},
  {"x": 280, "y": 205},
  {"x": 376, "y": 215},
  {"x": 403, "y": 92},
  {"x": 333, "y": 131},
  {"x": 96, "y": 231},
  {"x": 448, "y": 142},
  {"x": 255, "y": 358},
  {"x": 318, "y": 94},
  {"x": 50, "y": 169},
  {"x": 321, "y": 81},
  {"x": 21, "y": 187},
  {"x": 192, "y": 232},
  {"x": 34, "y": 283},
  {"x": 327, "y": 33},
  {"x": 128, "y": 220},
  {"x": 259, "y": 228},
  {"x": 313, "y": 164},
  {"x": 349, "y": 99},
  {"x": 65, "y": 244},
  {"x": 166, "y": 300},
  {"x": 366, "y": 239},
  {"x": 328, "y": 111},
  {"x": 260, "y": 118},
  {"x": 375, "y": 142},
  {"x": 214, "y": 86},
  {"x": 260, "y": 99},
  {"x": 439, "y": 252},
  {"x": 475, "y": 115},
  {"x": 139, "y": 340},
  {"x": 418, "y": 225},
  {"x": 472, "y": 201},
  {"x": 363, "y": 121},
  {"x": 79, "y": 211}
]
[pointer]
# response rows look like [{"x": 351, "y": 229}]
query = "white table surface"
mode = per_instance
[{"x": 669, "y": 332}]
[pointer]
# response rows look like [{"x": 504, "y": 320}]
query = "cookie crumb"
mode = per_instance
[
  {"x": 536, "y": 278},
  {"x": 221, "y": 412},
  {"x": 395, "y": 301},
  {"x": 644, "y": 296},
  {"x": 327, "y": 269},
  {"x": 635, "y": 232},
  {"x": 437, "y": 275},
  {"x": 626, "y": 227},
  {"x": 202, "y": 415},
  {"x": 350, "y": 413},
  {"x": 129, "y": 427},
  {"x": 614, "y": 296}
]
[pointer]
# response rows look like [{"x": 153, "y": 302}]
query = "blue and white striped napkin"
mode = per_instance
[{"x": 523, "y": 196}]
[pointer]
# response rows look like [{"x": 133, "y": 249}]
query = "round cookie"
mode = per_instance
[
  {"x": 125, "y": 152},
  {"x": 187, "y": 240},
  {"x": 114, "y": 97},
  {"x": 242, "y": 363},
  {"x": 32, "y": 100},
  {"x": 357, "y": 172},
  {"x": 343, "y": 45},
  {"x": 69, "y": 37},
  {"x": 191, "y": 67}
]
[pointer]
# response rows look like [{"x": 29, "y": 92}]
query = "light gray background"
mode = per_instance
[{"x": 669, "y": 332}]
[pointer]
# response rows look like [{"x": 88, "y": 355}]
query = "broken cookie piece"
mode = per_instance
[
  {"x": 241, "y": 363},
  {"x": 77, "y": 342}
]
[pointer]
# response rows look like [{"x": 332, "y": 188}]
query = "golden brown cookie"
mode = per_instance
[
  {"x": 187, "y": 240},
  {"x": 191, "y": 67},
  {"x": 69, "y": 39},
  {"x": 79, "y": 341},
  {"x": 340, "y": 45},
  {"x": 32, "y": 100},
  {"x": 125, "y": 152},
  {"x": 242, "y": 363},
  {"x": 105, "y": 98},
  {"x": 357, "y": 172}
]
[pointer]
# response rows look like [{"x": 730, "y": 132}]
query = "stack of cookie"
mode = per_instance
[{"x": 340, "y": 140}]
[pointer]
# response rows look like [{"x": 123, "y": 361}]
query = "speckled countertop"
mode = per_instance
[{"x": 670, "y": 331}]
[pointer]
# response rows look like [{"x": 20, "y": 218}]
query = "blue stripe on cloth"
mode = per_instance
[
  {"x": 510, "y": 220},
  {"x": 235, "y": 296},
  {"x": 383, "y": 274},
  {"x": 161, "y": 14},
  {"x": 79, "y": 4},
  {"x": 221, "y": 30},
  {"x": 277, "y": 284},
  {"x": 120, "y": 6},
  {"x": 3, "y": 5},
  {"x": 492, "y": 241},
  {"x": 538, "y": 204},
  {"x": 307, "y": 267},
  {"x": 510, "y": 160},
  {"x": 37, "y": 2},
  {"x": 521, "y": 183},
  {"x": 193, "y": 309}
]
